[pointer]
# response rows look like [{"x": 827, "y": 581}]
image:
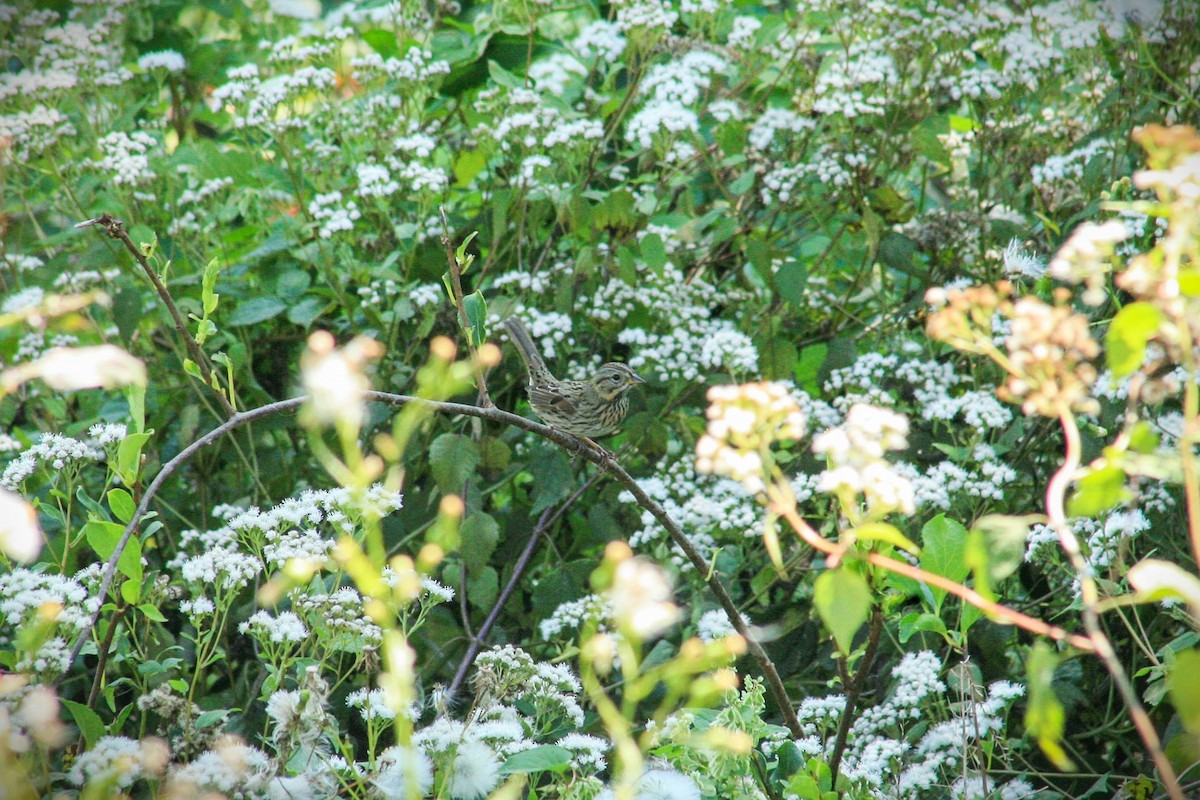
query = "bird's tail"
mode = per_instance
[{"x": 528, "y": 350}]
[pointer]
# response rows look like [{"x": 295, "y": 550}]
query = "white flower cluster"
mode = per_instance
[
  {"x": 645, "y": 16},
  {"x": 855, "y": 452},
  {"x": 371, "y": 704},
  {"x": 31, "y": 133},
  {"x": 117, "y": 760},
  {"x": 672, "y": 90},
  {"x": 983, "y": 475},
  {"x": 168, "y": 60},
  {"x": 333, "y": 214},
  {"x": 286, "y": 628},
  {"x": 571, "y": 616},
  {"x": 28, "y": 597},
  {"x": 416, "y": 68},
  {"x": 905, "y": 769},
  {"x": 709, "y": 509},
  {"x": 374, "y": 180},
  {"x": 275, "y": 104},
  {"x": 714, "y": 624},
  {"x": 600, "y": 40},
  {"x": 743, "y": 422},
  {"x": 554, "y": 73},
  {"x": 527, "y": 123},
  {"x": 683, "y": 340},
  {"x": 764, "y": 132},
  {"x": 1070, "y": 167},
  {"x": 83, "y": 279},
  {"x": 857, "y": 83},
  {"x": 55, "y": 451},
  {"x": 339, "y": 620},
  {"x": 126, "y": 157}
]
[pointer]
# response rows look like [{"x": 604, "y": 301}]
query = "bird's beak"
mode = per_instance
[{"x": 635, "y": 377}]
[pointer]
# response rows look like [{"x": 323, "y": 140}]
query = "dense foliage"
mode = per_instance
[{"x": 914, "y": 290}]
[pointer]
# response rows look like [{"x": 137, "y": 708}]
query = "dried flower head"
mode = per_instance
[{"x": 1049, "y": 349}]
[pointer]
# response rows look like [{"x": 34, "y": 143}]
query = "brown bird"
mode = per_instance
[{"x": 590, "y": 408}]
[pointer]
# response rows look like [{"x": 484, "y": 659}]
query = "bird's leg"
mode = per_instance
[{"x": 601, "y": 450}]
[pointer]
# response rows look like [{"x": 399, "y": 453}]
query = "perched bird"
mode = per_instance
[{"x": 590, "y": 408}]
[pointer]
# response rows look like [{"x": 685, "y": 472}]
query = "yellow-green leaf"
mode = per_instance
[{"x": 843, "y": 599}]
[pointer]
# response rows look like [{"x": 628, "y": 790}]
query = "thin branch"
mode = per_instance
[
  {"x": 115, "y": 228},
  {"x": 996, "y": 610},
  {"x": 603, "y": 459},
  {"x": 110, "y": 566},
  {"x": 548, "y": 518},
  {"x": 1089, "y": 596}
]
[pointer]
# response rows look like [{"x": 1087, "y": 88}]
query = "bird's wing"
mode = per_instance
[{"x": 552, "y": 397}]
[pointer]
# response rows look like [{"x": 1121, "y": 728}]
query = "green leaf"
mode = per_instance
[
  {"x": 152, "y": 612},
  {"x": 790, "y": 280},
  {"x": 483, "y": 587},
  {"x": 1189, "y": 282},
  {"x": 503, "y": 77},
  {"x": 911, "y": 624},
  {"x": 255, "y": 310},
  {"x": 382, "y": 42},
  {"x": 103, "y": 538},
  {"x": 88, "y": 721},
  {"x": 452, "y": 459},
  {"x": 304, "y": 312},
  {"x": 1044, "y": 714},
  {"x": 843, "y": 599},
  {"x": 995, "y": 548},
  {"x": 543, "y": 758},
  {"x": 467, "y": 165},
  {"x": 1131, "y": 329},
  {"x": 1098, "y": 491},
  {"x": 135, "y": 395},
  {"x": 479, "y": 534},
  {"x": 121, "y": 503},
  {"x": 1185, "y": 688},
  {"x": 1155, "y": 579},
  {"x": 131, "y": 592},
  {"x": 129, "y": 457},
  {"x": 476, "y": 308},
  {"x": 889, "y": 534},
  {"x": 944, "y": 552},
  {"x": 208, "y": 296},
  {"x": 553, "y": 480},
  {"x": 654, "y": 254}
]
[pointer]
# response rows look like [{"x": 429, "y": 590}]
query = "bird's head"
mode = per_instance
[{"x": 613, "y": 380}]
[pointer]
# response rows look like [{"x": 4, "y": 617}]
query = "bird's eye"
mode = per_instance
[{"x": 615, "y": 378}]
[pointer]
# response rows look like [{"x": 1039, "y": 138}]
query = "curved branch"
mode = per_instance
[
  {"x": 110, "y": 566},
  {"x": 603, "y": 459}
]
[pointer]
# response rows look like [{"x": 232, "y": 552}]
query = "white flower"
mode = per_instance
[
  {"x": 169, "y": 60},
  {"x": 20, "y": 536},
  {"x": 104, "y": 366},
  {"x": 666, "y": 784},
  {"x": 641, "y": 597},
  {"x": 399, "y": 765},
  {"x": 476, "y": 771},
  {"x": 296, "y": 9}
]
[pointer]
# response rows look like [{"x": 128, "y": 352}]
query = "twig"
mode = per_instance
[
  {"x": 548, "y": 518},
  {"x": 996, "y": 610},
  {"x": 110, "y": 566},
  {"x": 854, "y": 690},
  {"x": 115, "y": 228},
  {"x": 493, "y": 414},
  {"x": 456, "y": 282},
  {"x": 1056, "y": 493}
]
